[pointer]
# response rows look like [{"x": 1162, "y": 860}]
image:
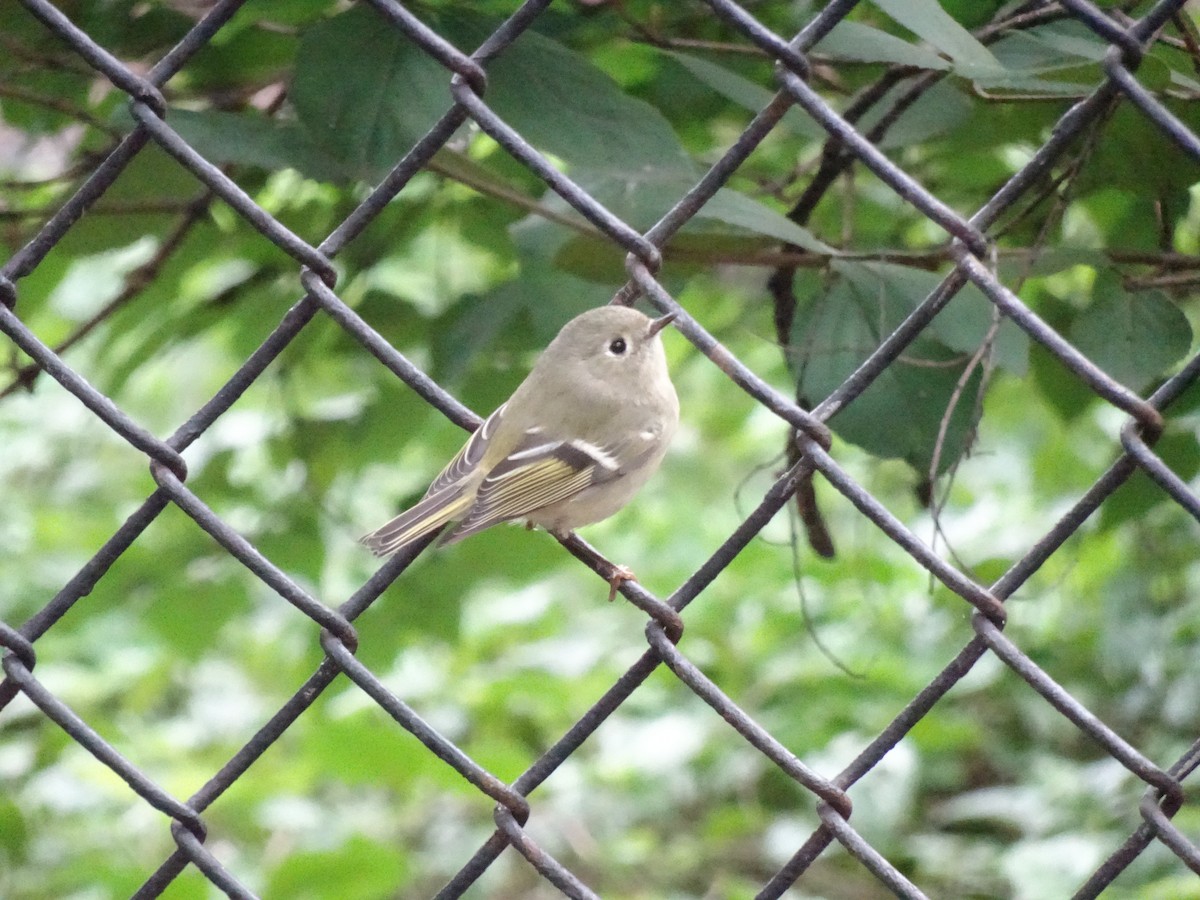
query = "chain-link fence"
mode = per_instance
[{"x": 973, "y": 263}]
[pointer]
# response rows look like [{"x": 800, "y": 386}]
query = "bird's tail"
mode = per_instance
[{"x": 430, "y": 514}]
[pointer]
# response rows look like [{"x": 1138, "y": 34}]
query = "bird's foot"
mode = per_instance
[{"x": 620, "y": 575}]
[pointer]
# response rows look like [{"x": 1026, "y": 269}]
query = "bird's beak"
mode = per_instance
[{"x": 657, "y": 325}]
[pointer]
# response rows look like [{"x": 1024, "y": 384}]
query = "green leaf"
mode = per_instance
[
  {"x": 1051, "y": 260},
  {"x": 938, "y": 111},
  {"x": 1062, "y": 389},
  {"x": 1134, "y": 337},
  {"x": 364, "y": 92},
  {"x": 256, "y": 46},
  {"x": 254, "y": 140},
  {"x": 1134, "y": 155},
  {"x": 900, "y": 414},
  {"x": 927, "y": 20},
  {"x": 962, "y": 325},
  {"x": 856, "y": 41},
  {"x": 731, "y": 208},
  {"x": 641, "y": 199},
  {"x": 594, "y": 125},
  {"x": 1064, "y": 39},
  {"x": 745, "y": 93},
  {"x": 1068, "y": 52},
  {"x": 1035, "y": 67}
]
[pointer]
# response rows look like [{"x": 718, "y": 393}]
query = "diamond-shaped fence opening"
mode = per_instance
[{"x": 985, "y": 252}]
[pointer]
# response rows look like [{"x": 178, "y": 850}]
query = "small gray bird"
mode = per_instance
[{"x": 581, "y": 434}]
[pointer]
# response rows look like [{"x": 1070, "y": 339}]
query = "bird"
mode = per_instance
[{"x": 577, "y": 439}]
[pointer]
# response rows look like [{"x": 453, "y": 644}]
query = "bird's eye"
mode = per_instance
[{"x": 617, "y": 347}]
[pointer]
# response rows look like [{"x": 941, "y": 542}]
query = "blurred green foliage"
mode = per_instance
[{"x": 502, "y": 642}]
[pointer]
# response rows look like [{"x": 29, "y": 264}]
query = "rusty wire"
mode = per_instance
[{"x": 971, "y": 250}]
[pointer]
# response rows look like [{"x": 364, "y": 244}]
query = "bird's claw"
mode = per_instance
[{"x": 620, "y": 575}]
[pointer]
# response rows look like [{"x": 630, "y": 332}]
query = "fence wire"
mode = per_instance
[{"x": 971, "y": 250}]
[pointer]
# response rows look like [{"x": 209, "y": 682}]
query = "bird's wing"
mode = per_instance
[
  {"x": 469, "y": 456},
  {"x": 430, "y": 514},
  {"x": 447, "y": 498},
  {"x": 535, "y": 475}
]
